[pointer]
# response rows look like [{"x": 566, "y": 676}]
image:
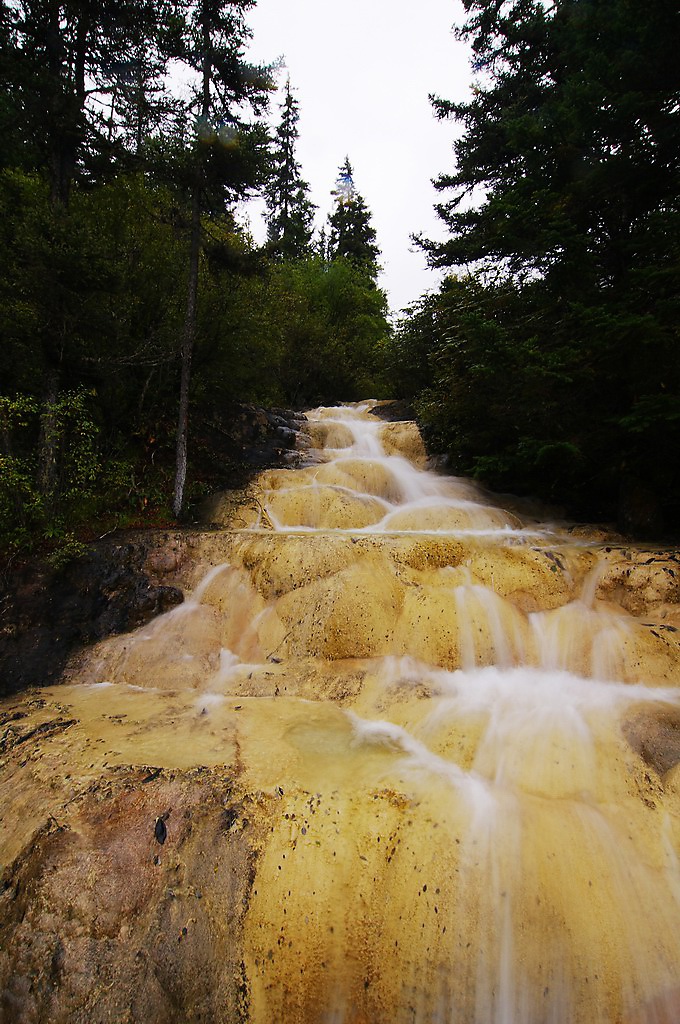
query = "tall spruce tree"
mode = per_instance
[
  {"x": 290, "y": 212},
  {"x": 566, "y": 188},
  {"x": 571, "y": 136},
  {"x": 351, "y": 234}
]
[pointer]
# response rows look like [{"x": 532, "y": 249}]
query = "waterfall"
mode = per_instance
[{"x": 448, "y": 729}]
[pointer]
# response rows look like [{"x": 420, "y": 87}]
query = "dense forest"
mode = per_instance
[
  {"x": 549, "y": 360},
  {"x": 136, "y": 310}
]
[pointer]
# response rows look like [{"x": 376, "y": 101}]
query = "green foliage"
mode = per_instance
[
  {"x": 92, "y": 293},
  {"x": 300, "y": 333},
  {"x": 21, "y": 506},
  {"x": 68, "y": 550},
  {"x": 74, "y": 435},
  {"x": 85, "y": 79},
  {"x": 90, "y": 314},
  {"x": 25, "y": 510},
  {"x": 554, "y": 367}
]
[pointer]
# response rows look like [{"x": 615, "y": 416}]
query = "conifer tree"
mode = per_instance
[
  {"x": 563, "y": 203},
  {"x": 351, "y": 234},
  {"x": 571, "y": 136},
  {"x": 290, "y": 212},
  {"x": 65, "y": 68}
]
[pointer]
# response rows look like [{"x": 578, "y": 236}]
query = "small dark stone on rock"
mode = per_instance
[
  {"x": 229, "y": 816},
  {"x": 160, "y": 831}
]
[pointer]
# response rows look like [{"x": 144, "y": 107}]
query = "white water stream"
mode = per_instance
[{"x": 443, "y": 702}]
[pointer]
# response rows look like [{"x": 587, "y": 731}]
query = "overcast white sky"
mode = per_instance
[{"x": 362, "y": 71}]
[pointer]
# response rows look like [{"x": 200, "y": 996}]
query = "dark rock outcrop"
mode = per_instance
[
  {"x": 47, "y": 613},
  {"x": 640, "y": 510},
  {"x": 393, "y": 412},
  {"x": 230, "y": 445}
]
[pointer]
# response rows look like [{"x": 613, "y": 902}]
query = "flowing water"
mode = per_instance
[{"x": 466, "y": 745}]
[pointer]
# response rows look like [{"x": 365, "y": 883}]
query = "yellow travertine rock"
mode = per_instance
[{"x": 401, "y": 756}]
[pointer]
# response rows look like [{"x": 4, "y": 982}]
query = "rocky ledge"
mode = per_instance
[{"x": 47, "y": 614}]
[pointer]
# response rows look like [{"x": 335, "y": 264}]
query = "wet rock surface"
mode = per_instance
[
  {"x": 403, "y": 756},
  {"x": 655, "y": 736},
  {"x": 393, "y": 412},
  {"x": 121, "y": 582},
  {"x": 48, "y": 613},
  {"x": 101, "y": 923}
]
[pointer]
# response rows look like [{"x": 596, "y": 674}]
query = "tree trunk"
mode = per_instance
[
  {"x": 67, "y": 102},
  {"x": 192, "y": 296},
  {"x": 187, "y": 352}
]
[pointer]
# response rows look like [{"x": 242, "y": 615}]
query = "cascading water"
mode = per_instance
[{"x": 459, "y": 749}]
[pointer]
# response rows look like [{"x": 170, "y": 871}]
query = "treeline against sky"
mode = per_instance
[
  {"x": 135, "y": 308},
  {"x": 549, "y": 360},
  {"x": 133, "y": 305}
]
